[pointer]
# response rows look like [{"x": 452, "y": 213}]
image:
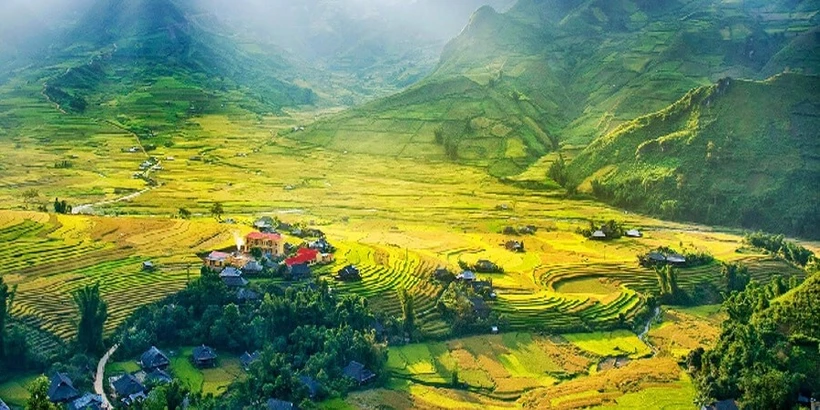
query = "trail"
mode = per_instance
[
  {"x": 98, "y": 378},
  {"x": 643, "y": 334}
]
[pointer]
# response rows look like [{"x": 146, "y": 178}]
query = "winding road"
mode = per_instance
[
  {"x": 98, "y": 378},
  {"x": 643, "y": 334}
]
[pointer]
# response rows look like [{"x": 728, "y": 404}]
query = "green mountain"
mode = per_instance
[
  {"x": 150, "y": 64},
  {"x": 552, "y": 74},
  {"x": 741, "y": 153}
]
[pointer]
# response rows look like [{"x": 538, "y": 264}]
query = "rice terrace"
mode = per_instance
[{"x": 476, "y": 204}]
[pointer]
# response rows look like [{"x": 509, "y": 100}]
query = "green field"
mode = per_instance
[{"x": 615, "y": 343}]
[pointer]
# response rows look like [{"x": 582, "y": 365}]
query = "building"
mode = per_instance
[
  {"x": 358, "y": 373},
  {"x": 246, "y": 295},
  {"x": 313, "y": 387},
  {"x": 299, "y": 271},
  {"x": 157, "y": 377},
  {"x": 515, "y": 246},
  {"x": 722, "y": 405},
  {"x": 480, "y": 307},
  {"x": 217, "y": 260},
  {"x": 598, "y": 235},
  {"x": 656, "y": 257},
  {"x": 274, "y": 404},
  {"x": 204, "y": 356},
  {"x": 253, "y": 267},
  {"x": 154, "y": 359},
  {"x": 634, "y": 233},
  {"x": 265, "y": 224},
  {"x": 247, "y": 359},
  {"x": 230, "y": 272},
  {"x": 235, "y": 281},
  {"x": 467, "y": 276},
  {"x": 148, "y": 266},
  {"x": 128, "y": 389},
  {"x": 304, "y": 256},
  {"x": 87, "y": 402},
  {"x": 271, "y": 244},
  {"x": 349, "y": 273},
  {"x": 61, "y": 389},
  {"x": 676, "y": 259}
]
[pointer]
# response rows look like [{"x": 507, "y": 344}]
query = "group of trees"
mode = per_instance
[
  {"x": 300, "y": 332},
  {"x": 13, "y": 343},
  {"x": 778, "y": 245},
  {"x": 612, "y": 229},
  {"x": 61, "y": 207},
  {"x": 767, "y": 353},
  {"x": 670, "y": 292}
]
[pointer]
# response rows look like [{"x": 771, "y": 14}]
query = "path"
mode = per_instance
[
  {"x": 643, "y": 334},
  {"x": 98, "y": 379}
]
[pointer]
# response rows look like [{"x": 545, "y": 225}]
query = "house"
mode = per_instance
[
  {"x": 271, "y": 244},
  {"x": 527, "y": 230},
  {"x": 300, "y": 271},
  {"x": 509, "y": 230},
  {"x": 349, "y": 273},
  {"x": 265, "y": 224},
  {"x": 154, "y": 359},
  {"x": 235, "y": 281},
  {"x": 274, "y": 404},
  {"x": 204, "y": 356},
  {"x": 157, "y": 377},
  {"x": 253, "y": 267},
  {"x": 515, "y": 246},
  {"x": 61, "y": 389},
  {"x": 358, "y": 373},
  {"x": 676, "y": 259},
  {"x": 656, "y": 257},
  {"x": 247, "y": 359},
  {"x": 217, "y": 260},
  {"x": 304, "y": 256},
  {"x": 480, "y": 307},
  {"x": 494, "y": 330},
  {"x": 87, "y": 402},
  {"x": 230, "y": 272},
  {"x": 321, "y": 245},
  {"x": 486, "y": 266},
  {"x": 313, "y": 386},
  {"x": 3, "y": 405},
  {"x": 634, "y": 233},
  {"x": 128, "y": 389},
  {"x": 721, "y": 405},
  {"x": 467, "y": 276},
  {"x": 148, "y": 266},
  {"x": 247, "y": 295},
  {"x": 598, "y": 235}
]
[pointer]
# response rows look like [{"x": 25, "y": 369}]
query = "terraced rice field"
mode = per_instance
[{"x": 51, "y": 256}]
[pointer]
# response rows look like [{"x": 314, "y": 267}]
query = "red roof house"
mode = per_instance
[{"x": 304, "y": 255}]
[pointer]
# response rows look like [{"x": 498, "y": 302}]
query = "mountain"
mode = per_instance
[
  {"x": 740, "y": 153},
  {"x": 556, "y": 74}
]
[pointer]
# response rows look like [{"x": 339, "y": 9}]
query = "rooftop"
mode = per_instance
[{"x": 264, "y": 236}]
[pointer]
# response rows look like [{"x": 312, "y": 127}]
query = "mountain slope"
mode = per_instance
[
  {"x": 552, "y": 73},
  {"x": 739, "y": 153}
]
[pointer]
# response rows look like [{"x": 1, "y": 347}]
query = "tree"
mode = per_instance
[
  {"x": 38, "y": 399},
  {"x": 184, "y": 213},
  {"x": 735, "y": 277},
  {"x": 93, "y": 314},
  {"x": 30, "y": 196},
  {"x": 558, "y": 171},
  {"x": 217, "y": 211},
  {"x": 6, "y": 297},
  {"x": 61, "y": 207},
  {"x": 408, "y": 311}
]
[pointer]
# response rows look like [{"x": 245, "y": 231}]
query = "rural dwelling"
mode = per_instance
[
  {"x": 598, "y": 235},
  {"x": 306, "y": 256},
  {"x": 358, "y": 373},
  {"x": 230, "y": 272},
  {"x": 274, "y": 404},
  {"x": 313, "y": 387},
  {"x": 247, "y": 359},
  {"x": 722, "y": 405},
  {"x": 467, "y": 276},
  {"x": 156, "y": 377},
  {"x": 61, "y": 389},
  {"x": 299, "y": 271},
  {"x": 154, "y": 359},
  {"x": 246, "y": 295},
  {"x": 128, "y": 389},
  {"x": 676, "y": 259},
  {"x": 271, "y": 244},
  {"x": 634, "y": 233},
  {"x": 494, "y": 330},
  {"x": 656, "y": 257},
  {"x": 253, "y": 267},
  {"x": 515, "y": 246},
  {"x": 87, "y": 402},
  {"x": 204, "y": 356},
  {"x": 480, "y": 307},
  {"x": 148, "y": 266},
  {"x": 349, "y": 273},
  {"x": 235, "y": 281},
  {"x": 321, "y": 245},
  {"x": 265, "y": 224},
  {"x": 217, "y": 260}
]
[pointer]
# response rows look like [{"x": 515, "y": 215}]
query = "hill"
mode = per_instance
[
  {"x": 739, "y": 153},
  {"x": 553, "y": 74}
]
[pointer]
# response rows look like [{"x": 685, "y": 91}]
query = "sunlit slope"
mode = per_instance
[
  {"x": 739, "y": 153},
  {"x": 559, "y": 73}
]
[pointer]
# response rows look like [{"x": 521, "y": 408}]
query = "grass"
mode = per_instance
[
  {"x": 15, "y": 391},
  {"x": 617, "y": 343},
  {"x": 207, "y": 380},
  {"x": 679, "y": 395}
]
